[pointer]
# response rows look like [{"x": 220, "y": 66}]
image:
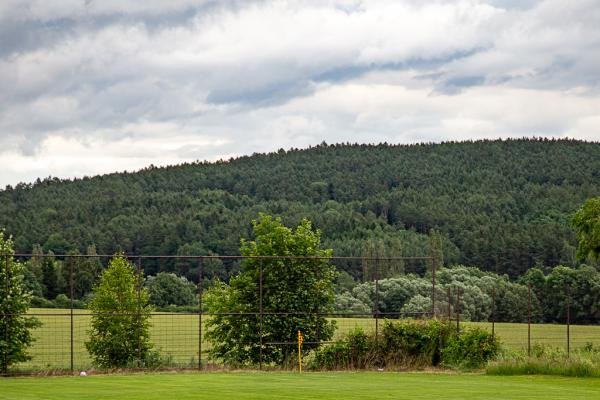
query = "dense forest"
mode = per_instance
[{"x": 502, "y": 206}]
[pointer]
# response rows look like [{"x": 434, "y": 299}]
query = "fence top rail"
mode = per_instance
[{"x": 182, "y": 257}]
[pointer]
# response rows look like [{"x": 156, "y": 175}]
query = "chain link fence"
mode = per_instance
[{"x": 363, "y": 300}]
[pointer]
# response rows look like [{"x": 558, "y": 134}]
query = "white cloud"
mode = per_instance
[{"x": 184, "y": 80}]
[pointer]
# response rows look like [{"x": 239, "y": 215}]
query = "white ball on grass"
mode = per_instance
[{"x": 83, "y": 373}]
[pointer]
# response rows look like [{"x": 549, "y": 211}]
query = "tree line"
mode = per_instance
[
  {"x": 502, "y": 206},
  {"x": 290, "y": 295}
]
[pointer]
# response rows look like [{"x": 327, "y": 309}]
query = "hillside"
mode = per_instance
[{"x": 500, "y": 205}]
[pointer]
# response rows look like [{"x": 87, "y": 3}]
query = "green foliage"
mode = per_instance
[
  {"x": 167, "y": 289},
  {"x": 417, "y": 306},
  {"x": 291, "y": 286},
  {"x": 587, "y": 223},
  {"x": 358, "y": 351},
  {"x": 83, "y": 271},
  {"x": 410, "y": 295},
  {"x": 346, "y": 303},
  {"x": 417, "y": 340},
  {"x": 410, "y": 344},
  {"x": 120, "y": 325},
  {"x": 501, "y": 205},
  {"x": 473, "y": 348},
  {"x": 61, "y": 301},
  {"x": 31, "y": 283},
  {"x": 562, "y": 287},
  {"x": 344, "y": 282},
  {"x": 15, "y": 326},
  {"x": 50, "y": 277}
]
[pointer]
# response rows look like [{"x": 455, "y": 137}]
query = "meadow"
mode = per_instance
[
  {"x": 176, "y": 336},
  {"x": 271, "y": 385}
]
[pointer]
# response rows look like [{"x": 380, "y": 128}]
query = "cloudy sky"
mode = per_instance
[{"x": 96, "y": 86}]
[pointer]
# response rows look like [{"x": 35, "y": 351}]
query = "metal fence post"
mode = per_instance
[
  {"x": 71, "y": 290},
  {"x": 377, "y": 298},
  {"x": 260, "y": 300},
  {"x": 457, "y": 310},
  {"x": 7, "y": 317},
  {"x": 493, "y": 312},
  {"x": 529, "y": 320},
  {"x": 318, "y": 311},
  {"x": 568, "y": 321},
  {"x": 139, "y": 311},
  {"x": 449, "y": 294},
  {"x": 433, "y": 267},
  {"x": 200, "y": 290}
]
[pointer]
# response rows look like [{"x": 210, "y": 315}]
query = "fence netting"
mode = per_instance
[{"x": 368, "y": 292}]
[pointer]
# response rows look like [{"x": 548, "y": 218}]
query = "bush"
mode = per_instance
[
  {"x": 344, "y": 302},
  {"x": 356, "y": 353},
  {"x": 415, "y": 342},
  {"x": 409, "y": 344},
  {"x": 61, "y": 301},
  {"x": 167, "y": 289},
  {"x": 178, "y": 309},
  {"x": 40, "y": 302},
  {"x": 473, "y": 348}
]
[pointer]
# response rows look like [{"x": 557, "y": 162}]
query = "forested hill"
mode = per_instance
[{"x": 500, "y": 205}]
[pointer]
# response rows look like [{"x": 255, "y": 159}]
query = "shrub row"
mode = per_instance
[
  {"x": 61, "y": 301},
  {"x": 410, "y": 344}
]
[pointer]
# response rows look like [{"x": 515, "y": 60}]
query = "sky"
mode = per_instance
[{"x": 90, "y": 87}]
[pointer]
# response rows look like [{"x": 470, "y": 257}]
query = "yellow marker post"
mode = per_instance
[{"x": 300, "y": 351}]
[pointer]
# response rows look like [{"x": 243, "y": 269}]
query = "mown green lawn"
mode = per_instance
[
  {"x": 176, "y": 335},
  {"x": 279, "y": 385}
]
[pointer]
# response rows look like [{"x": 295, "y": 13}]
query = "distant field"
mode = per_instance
[
  {"x": 177, "y": 335},
  {"x": 280, "y": 385}
]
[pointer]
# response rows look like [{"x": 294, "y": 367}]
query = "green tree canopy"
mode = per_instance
[
  {"x": 587, "y": 223},
  {"x": 120, "y": 326},
  {"x": 166, "y": 289},
  {"x": 291, "y": 288},
  {"x": 15, "y": 326}
]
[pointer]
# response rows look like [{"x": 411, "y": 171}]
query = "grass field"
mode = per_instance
[
  {"x": 176, "y": 335},
  {"x": 280, "y": 385}
]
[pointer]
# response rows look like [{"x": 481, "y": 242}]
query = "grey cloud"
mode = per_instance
[
  {"x": 107, "y": 69},
  {"x": 264, "y": 95},
  {"x": 514, "y": 4},
  {"x": 455, "y": 85},
  {"x": 21, "y": 30}
]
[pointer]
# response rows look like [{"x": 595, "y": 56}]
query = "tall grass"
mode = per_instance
[{"x": 548, "y": 360}]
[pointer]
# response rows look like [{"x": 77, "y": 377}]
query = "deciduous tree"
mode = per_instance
[
  {"x": 15, "y": 326},
  {"x": 587, "y": 223},
  {"x": 295, "y": 291},
  {"x": 120, "y": 326}
]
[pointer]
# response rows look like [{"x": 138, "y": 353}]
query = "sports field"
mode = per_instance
[
  {"x": 176, "y": 335},
  {"x": 279, "y": 385}
]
